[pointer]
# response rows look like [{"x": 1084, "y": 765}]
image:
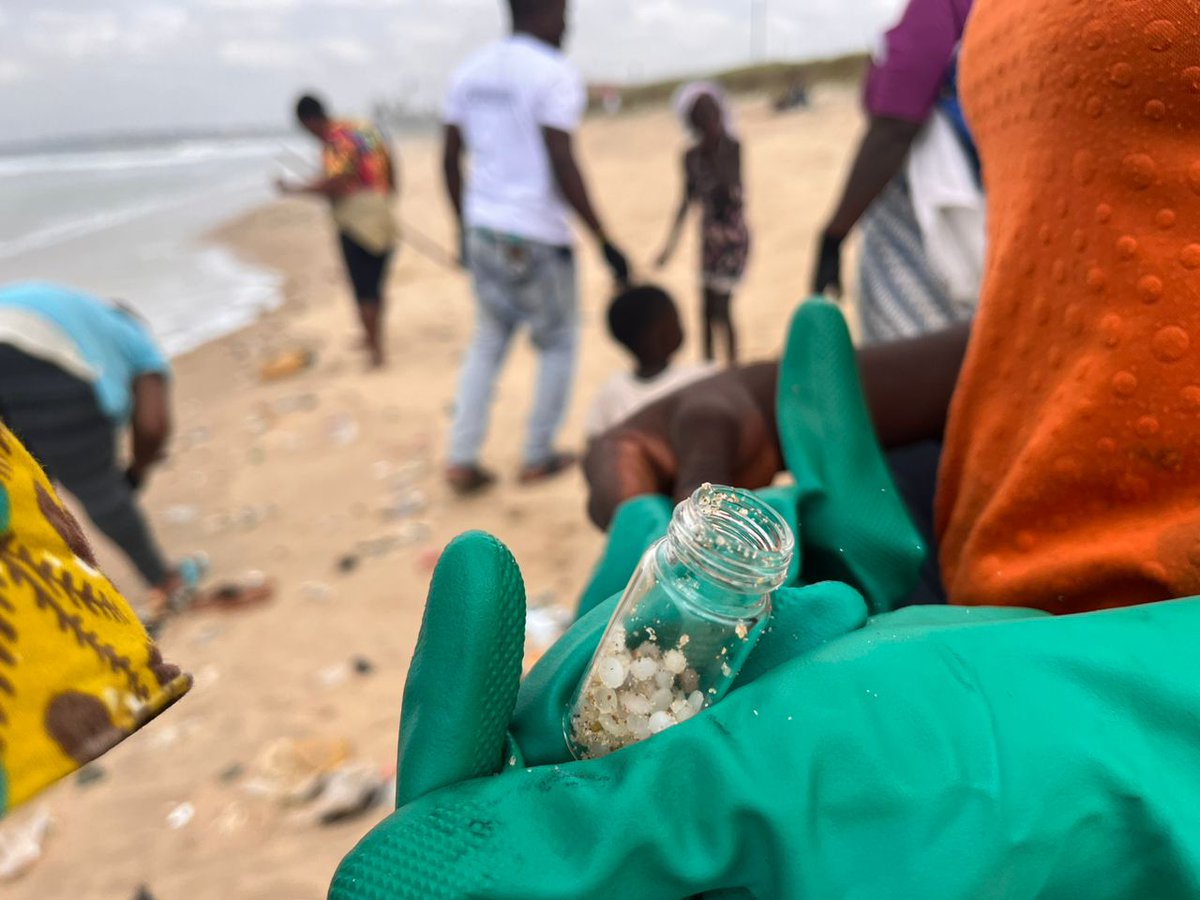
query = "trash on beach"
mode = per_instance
[
  {"x": 406, "y": 504},
  {"x": 349, "y": 791},
  {"x": 316, "y": 591},
  {"x": 292, "y": 772},
  {"x": 333, "y": 676},
  {"x": 143, "y": 894},
  {"x": 287, "y": 363},
  {"x": 413, "y": 532},
  {"x": 21, "y": 841},
  {"x": 180, "y": 514},
  {"x": 232, "y": 773},
  {"x": 343, "y": 429},
  {"x": 181, "y": 816},
  {"x": 347, "y": 563},
  {"x": 363, "y": 666},
  {"x": 89, "y": 775}
]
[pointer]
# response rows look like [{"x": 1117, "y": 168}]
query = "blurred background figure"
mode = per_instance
[
  {"x": 712, "y": 177},
  {"x": 645, "y": 321},
  {"x": 513, "y": 107},
  {"x": 74, "y": 371},
  {"x": 911, "y": 279},
  {"x": 360, "y": 180}
]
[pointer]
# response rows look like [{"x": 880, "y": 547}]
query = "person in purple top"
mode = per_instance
[{"x": 912, "y": 72}]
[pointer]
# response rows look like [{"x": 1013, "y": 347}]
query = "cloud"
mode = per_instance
[
  {"x": 11, "y": 72},
  {"x": 347, "y": 50},
  {"x": 256, "y": 54}
]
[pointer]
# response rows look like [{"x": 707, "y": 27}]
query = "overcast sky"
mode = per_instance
[{"x": 82, "y": 66}]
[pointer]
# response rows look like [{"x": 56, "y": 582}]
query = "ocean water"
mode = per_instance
[{"x": 129, "y": 223}]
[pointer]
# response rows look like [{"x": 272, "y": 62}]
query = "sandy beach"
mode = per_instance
[{"x": 328, "y": 482}]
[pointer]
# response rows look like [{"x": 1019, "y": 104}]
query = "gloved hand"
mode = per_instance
[
  {"x": 459, "y": 721},
  {"x": 617, "y": 263},
  {"x": 827, "y": 279},
  {"x": 849, "y": 521},
  {"x": 935, "y": 752}
]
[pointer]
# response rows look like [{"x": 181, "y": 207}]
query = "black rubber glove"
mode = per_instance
[
  {"x": 828, "y": 278},
  {"x": 617, "y": 263}
]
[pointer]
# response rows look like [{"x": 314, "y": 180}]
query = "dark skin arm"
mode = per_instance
[
  {"x": 452, "y": 178},
  {"x": 150, "y": 424},
  {"x": 881, "y": 154},
  {"x": 680, "y": 217},
  {"x": 570, "y": 181},
  {"x": 452, "y": 172},
  {"x": 331, "y": 188},
  {"x": 657, "y": 450}
]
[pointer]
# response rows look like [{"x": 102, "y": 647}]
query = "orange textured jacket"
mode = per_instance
[{"x": 1071, "y": 476}]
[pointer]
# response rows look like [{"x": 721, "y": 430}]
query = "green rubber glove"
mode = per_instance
[
  {"x": 933, "y": 753},
  {"x": 462, "y": 690},
  {"x": 851, "y": 525}
]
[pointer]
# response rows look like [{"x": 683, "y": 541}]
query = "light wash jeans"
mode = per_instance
[{"x": 517, "y": 282}]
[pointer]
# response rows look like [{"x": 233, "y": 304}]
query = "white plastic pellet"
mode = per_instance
[
  {"x": 636, "y": 704},
  {"x": 663, "y": 679},
  {"x": 643, "y": 668},
  {"x": 674, "y": 662},
  {"x": 606, "y": 700},
  {"x": 639, "y": 727},
  {"x": 696, "y": 701},
  {"x": 686, "y": 713},
  {"x": 611, "y": 673},
  {"x": 648, "y": 650},
  {"x": 662, "y": 699},
  {"x": 661, "y": 721}
]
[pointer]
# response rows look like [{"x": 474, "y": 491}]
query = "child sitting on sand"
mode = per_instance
[{"x": 646, "y": 322}]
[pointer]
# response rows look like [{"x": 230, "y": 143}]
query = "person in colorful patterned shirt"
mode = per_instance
[{"x": 359, "y": 178}]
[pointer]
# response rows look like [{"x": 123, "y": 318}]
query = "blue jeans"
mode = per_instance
[{"x": 517, "y": 283}]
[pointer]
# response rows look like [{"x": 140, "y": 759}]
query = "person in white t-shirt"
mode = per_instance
[
  {"x": 512, "y": 108},
  {"x": 646, "y": 322}
]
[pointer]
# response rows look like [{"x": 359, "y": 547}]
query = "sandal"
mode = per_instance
[
  {"x": 467, "y": 481},
  {"x": 555, "y": 465}
]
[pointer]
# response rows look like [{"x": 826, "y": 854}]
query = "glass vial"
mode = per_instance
[{"x": 689, "y": 618}]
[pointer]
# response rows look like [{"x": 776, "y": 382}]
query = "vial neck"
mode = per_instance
[{"x": 736, "y": 548}]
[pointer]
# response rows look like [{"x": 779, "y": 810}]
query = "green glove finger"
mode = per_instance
[
  {"x": 466, "y": 669},
  {"x": 802, "y": 619},
  {"x": 638, "y": 524},
  {"x": 855, "y": 526}
]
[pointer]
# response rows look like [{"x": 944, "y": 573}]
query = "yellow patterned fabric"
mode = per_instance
[{"x": 78, "y": 673}]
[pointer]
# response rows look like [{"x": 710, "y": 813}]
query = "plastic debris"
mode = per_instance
[
  {"x": 343, "y": 429},
  {"x": 332, "y": 676},
  {"x": 293, "y": 772},
  {"x": 143, "y": 894},
  {"x": 316, "y": 591},
  {"x": 21, "y": 841},
  {"x": 232, "y": 773},
  {"x": 348, "y": 791},
  {"x": 286, "y": 364},
  {"x": 181, "y": 816},
  {"x": 89, "y": 775},
  {"x": 363, "y": 666},
  {"x": 347, "y": 563},
  {"x": 180, "y": 514}
]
